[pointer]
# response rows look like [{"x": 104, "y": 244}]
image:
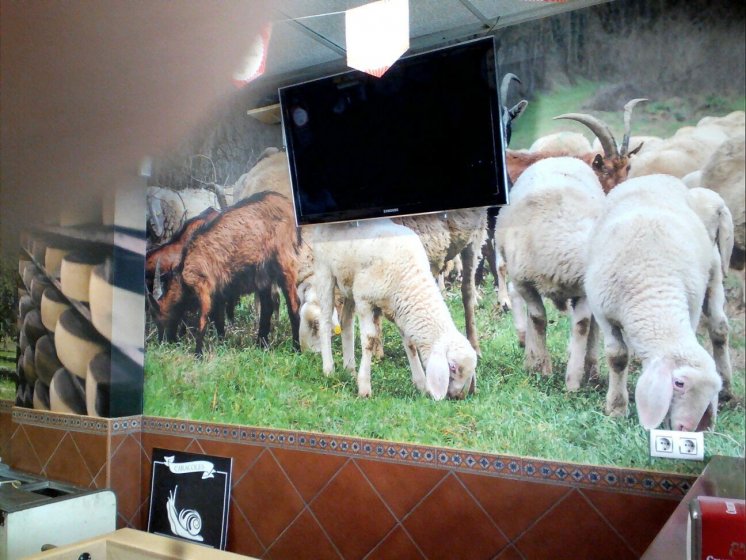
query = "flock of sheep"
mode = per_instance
[{"x": 634, "y": 238}]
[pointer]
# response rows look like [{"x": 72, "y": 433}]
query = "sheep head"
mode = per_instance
[
  {"x": 686, "y": 393},
  {"x": 451, "y": 368},
  {"x": 612, "y": 167},
  {"x": 509, "y": 115}
]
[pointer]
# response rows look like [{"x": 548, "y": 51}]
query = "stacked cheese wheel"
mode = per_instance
[{"x": 70, "y": 293}]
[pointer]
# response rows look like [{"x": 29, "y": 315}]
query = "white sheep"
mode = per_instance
[
  {"x": 271, "y": 172},
  {"x": 651, "y": 266},
  {"x": 686, "y": 151},
  {"x": 725, "y": 173},
  {"x": 169, "y": 209},
  {"x": 542, "y": 237},
  {"x": 732, "y": 124},
  {"x": 564, "y": 143},
  {"x": 381, "y": 268}
]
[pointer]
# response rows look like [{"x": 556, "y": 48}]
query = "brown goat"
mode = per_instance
[
  {"x": 248, "y": 246},
  {"x": 167, "y": 256},
  {"x": 611, "y": 168}
]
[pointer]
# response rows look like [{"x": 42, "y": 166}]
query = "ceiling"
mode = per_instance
[{"x": 308, "y": 35}]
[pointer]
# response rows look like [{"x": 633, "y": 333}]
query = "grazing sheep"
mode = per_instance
[
  {"x": 252, "y": 245},
  {"x": 725, "y": 173},
  {"x": 542, "y": 237},
  {"x": 381, "y": 269},
  {"x": 651, "y": 266}
]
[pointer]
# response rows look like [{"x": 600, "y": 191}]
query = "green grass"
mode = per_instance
[
  {"x": 658, "y": 117},
  {"x": 7, "y": 363},
  {"x": 513, "y": 412}
]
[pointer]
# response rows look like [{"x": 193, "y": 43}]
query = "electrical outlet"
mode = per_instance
[{"x": 677, "y": 445}]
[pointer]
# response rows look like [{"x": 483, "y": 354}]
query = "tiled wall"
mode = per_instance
[{"x": 302, "y": 495}]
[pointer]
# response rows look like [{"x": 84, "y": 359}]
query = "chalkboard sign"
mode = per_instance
[{"x": 189, "y": 497}]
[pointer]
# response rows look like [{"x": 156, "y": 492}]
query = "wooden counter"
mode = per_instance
[
  {"x": 723, "y": 477},
  {"x": 129, "y": 544}
]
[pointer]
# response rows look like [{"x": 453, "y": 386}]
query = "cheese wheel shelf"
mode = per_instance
[
  {"x": 124, "y": 250},
  {"x": 137, "y": 355}
]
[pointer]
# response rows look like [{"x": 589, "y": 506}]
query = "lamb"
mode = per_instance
[
  {"x": 253, "y": 244},
  {"x": 381, "y": 268},
  {"x": 652, "y": 264},
  {"x": 542, "y": 237}
]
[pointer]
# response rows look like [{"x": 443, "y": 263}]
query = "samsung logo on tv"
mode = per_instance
[{"x": 390, "y": 210}]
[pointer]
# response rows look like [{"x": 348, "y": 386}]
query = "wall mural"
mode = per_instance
[{"x": 587, "y": 310}]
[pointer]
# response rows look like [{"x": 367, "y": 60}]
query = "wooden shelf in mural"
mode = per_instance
[{"x": 269, "y": 114}]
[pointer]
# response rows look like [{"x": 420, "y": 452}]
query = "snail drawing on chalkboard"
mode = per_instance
[{"x": 186, "y": 523}]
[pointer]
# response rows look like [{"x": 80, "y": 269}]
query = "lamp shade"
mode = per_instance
[{"x": 377, "y": 34}]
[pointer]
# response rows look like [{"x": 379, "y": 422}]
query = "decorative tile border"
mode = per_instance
[
  {"x": 521, "y": 468},
  {"x": 660, "y": 484},
  {"x": 76, "y": 423}
]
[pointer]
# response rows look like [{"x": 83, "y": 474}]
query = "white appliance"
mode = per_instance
[{"x": 36, "y": 512}]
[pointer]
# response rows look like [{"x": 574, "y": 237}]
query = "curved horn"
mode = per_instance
[
  {"x": 628, "y": 108},
  {"x": 599, "y": 128},
  {"x": 507, "y": 78}
]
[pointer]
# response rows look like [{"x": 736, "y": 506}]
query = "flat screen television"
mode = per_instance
[{"x": 425, "y": 137}]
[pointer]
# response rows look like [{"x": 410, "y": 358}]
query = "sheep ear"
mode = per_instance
[
  {"x": 654, "y": 392},
  {"x": 437, "y": 374}
]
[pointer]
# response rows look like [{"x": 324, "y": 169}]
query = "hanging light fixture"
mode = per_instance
[
  {"x": 377, "y": 34},
  {"x": 255, "y": 60}
]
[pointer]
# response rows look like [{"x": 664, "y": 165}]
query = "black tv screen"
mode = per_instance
[{"x": 425, "y": 137}]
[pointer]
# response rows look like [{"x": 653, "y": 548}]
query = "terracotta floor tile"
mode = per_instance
[
  {"x": 67, "y": 464},
  {"x": 92, "y": 448},
  {"x": 572, "y": 531},
  {"x": 303, "y": 540},
  {"x": 241, "y": 537},
  {"x": 396, "y": 546},
  {"x": 450, "y": 524},
  {"x": 267, "y": 498},
  {"x": 44, "y": 441},
  {"x": 514, "y": 505},
  {"x": 308, "y": 471},
  {"x": 637, "y": 518},
  {"x": 401, "y": 486},
  {"x": 125, "y": 477},
  {"x": 352, "y": 513},
  {"x": 22, "y": 455}
]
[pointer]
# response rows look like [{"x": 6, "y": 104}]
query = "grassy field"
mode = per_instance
[{"x": 513, "y": 412}]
